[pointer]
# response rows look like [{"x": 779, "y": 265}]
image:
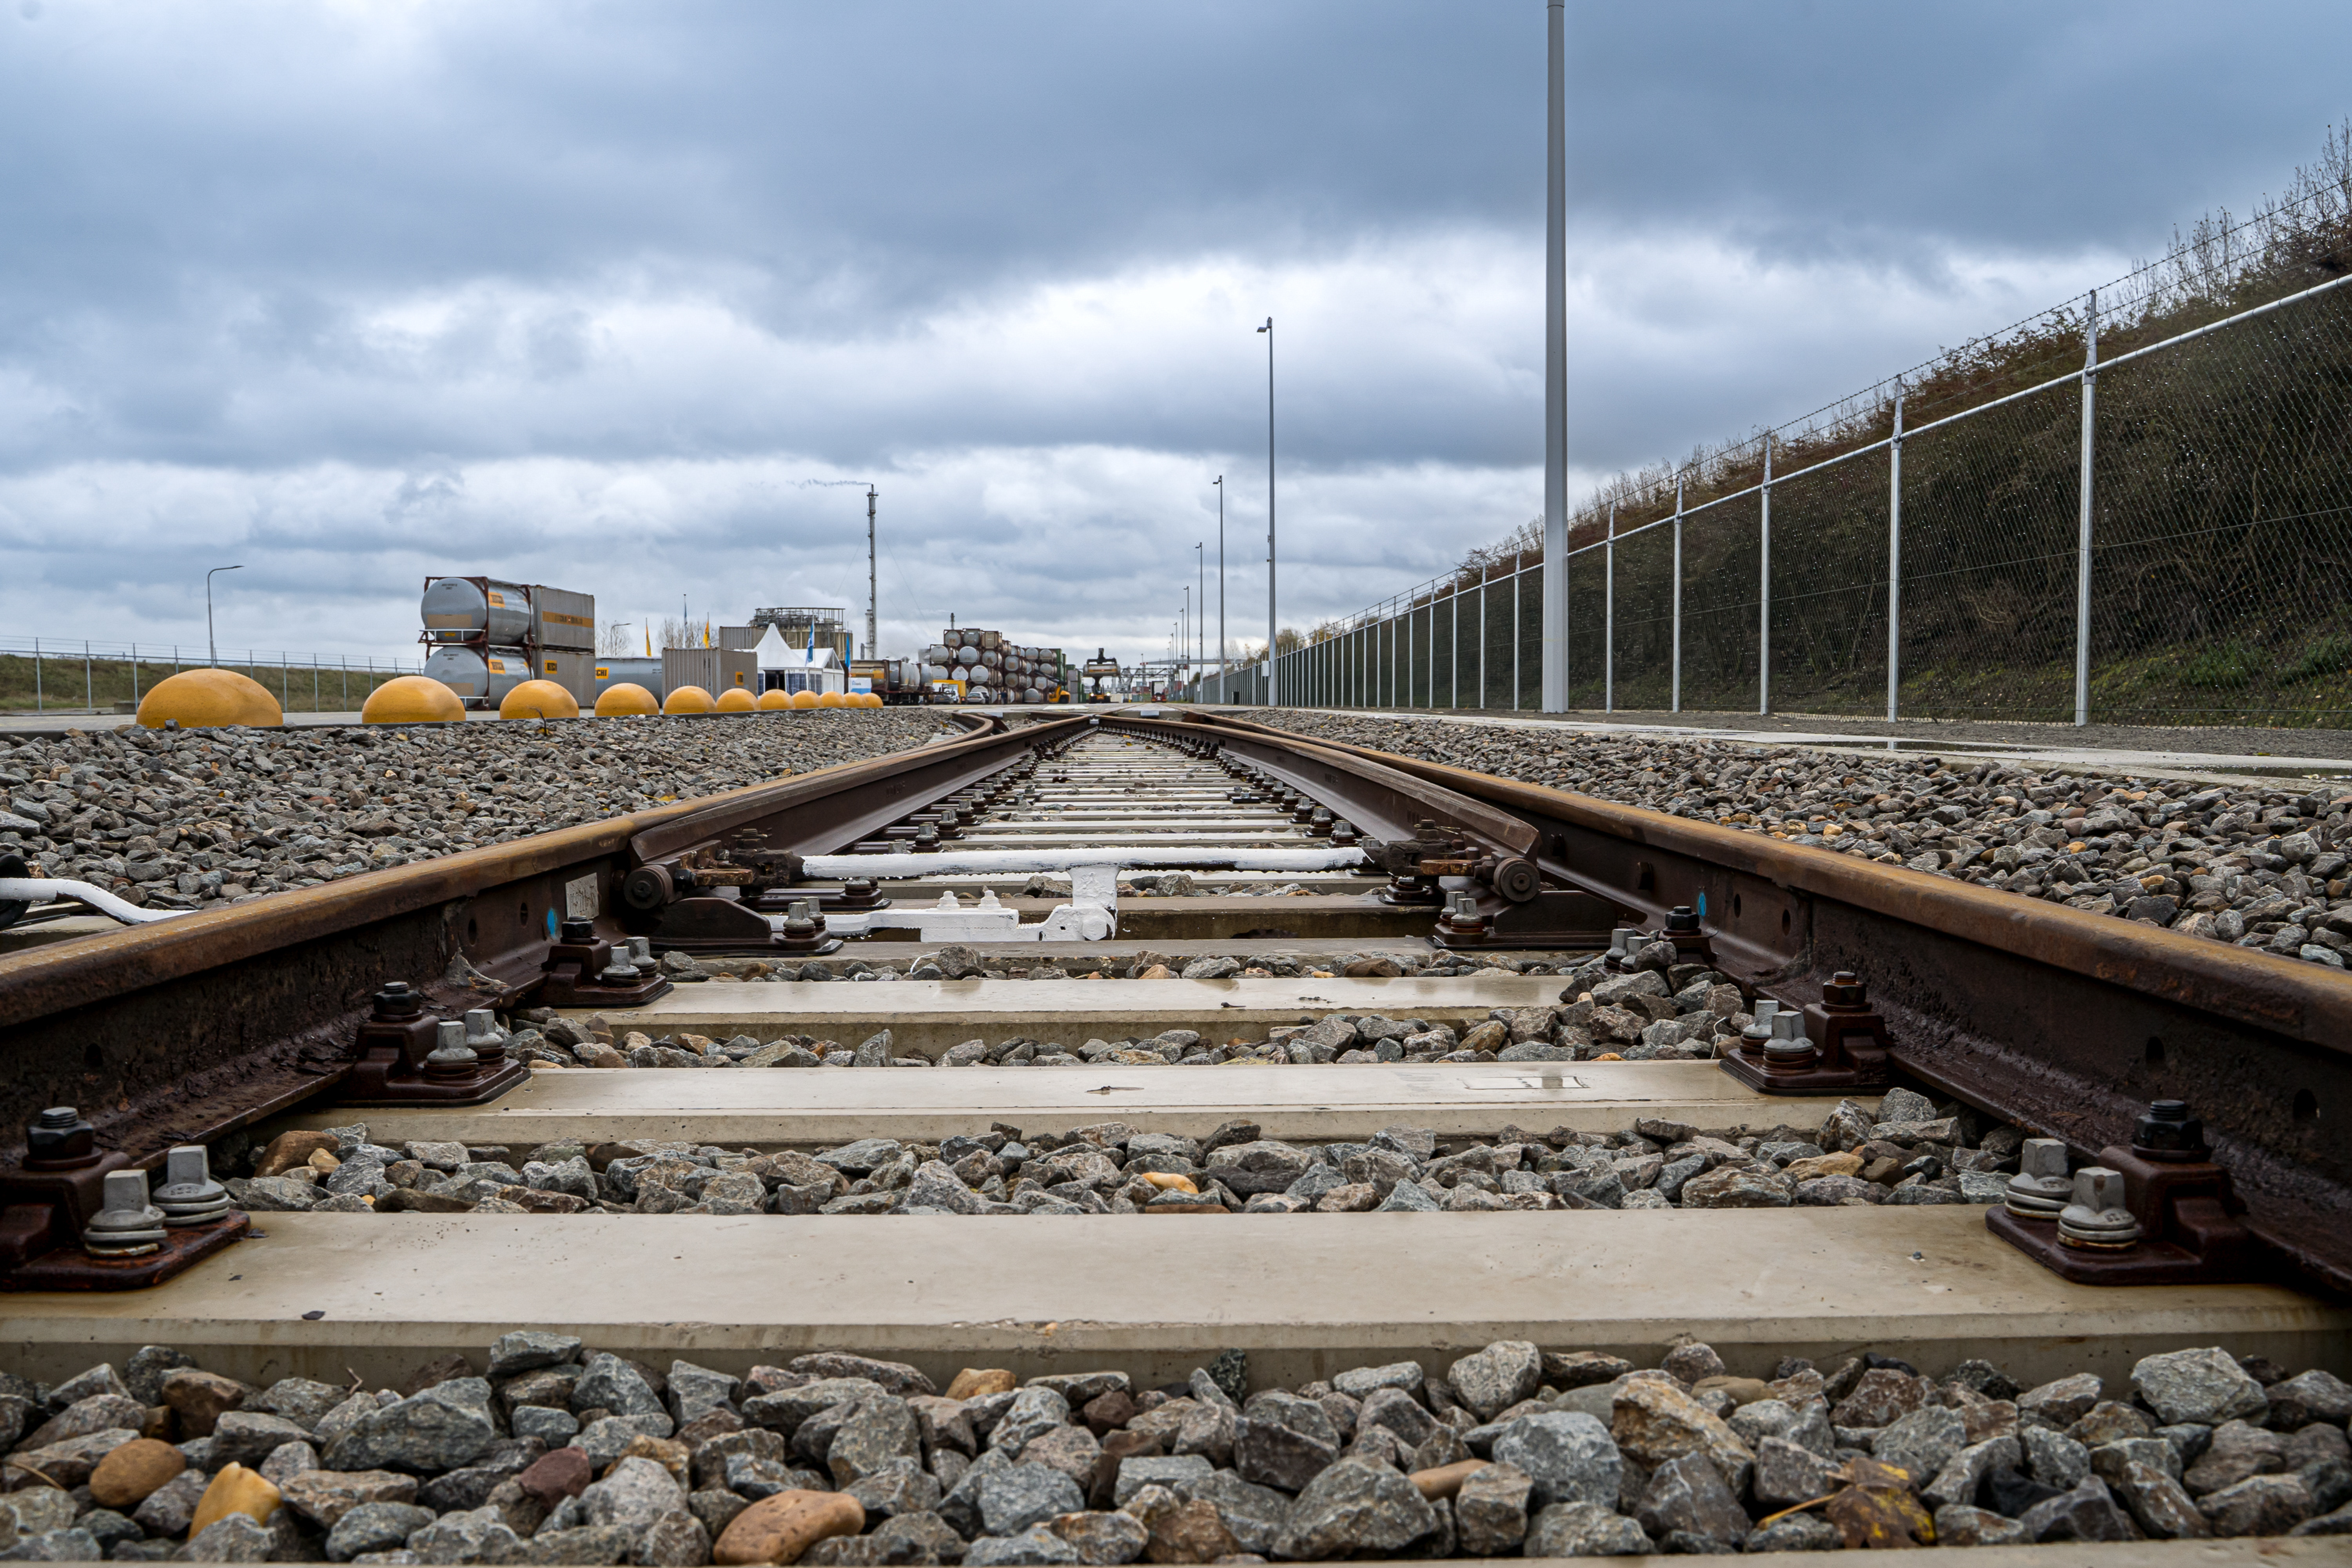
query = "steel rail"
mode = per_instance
[
  {"x": 2063, "y": 1022},
  {"x": 183, "y": 1029}
]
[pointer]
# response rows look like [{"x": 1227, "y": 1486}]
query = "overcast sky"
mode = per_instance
[{"x": 634, "y": 299}]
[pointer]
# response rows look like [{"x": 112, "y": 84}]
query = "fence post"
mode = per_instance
[
  {"x": 1894, "y": 560},
  {"x": 1608, "y": 616},
  {"x": 39, "y": 704},
  {"x": 88, "y": 679},
  {"x": 347, "y": 682},
  {"x": 1678, "y": 597},
  {"x": 2082, "y": 523},
  {"x": 1764, "y": 592},
  {"x": 1517, "y": 626},
  {"x": 1482, "y": 638},
  {"x": 1454, "y": 659},
  {"x": 135, "y": 675}
]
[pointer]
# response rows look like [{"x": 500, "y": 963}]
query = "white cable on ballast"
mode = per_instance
[{"x": 49, "y": 889}]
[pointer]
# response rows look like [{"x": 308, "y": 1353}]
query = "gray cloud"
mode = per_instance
[{"x": 585, "y": 293}]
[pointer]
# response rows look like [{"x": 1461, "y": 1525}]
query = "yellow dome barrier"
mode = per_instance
[
  {"x": 735, "y": 699},
  {"x": 770, "y": 702},
  {"x": 207, "y": 699},
  {"x": 687, "y": 700},
  {"x": 540, "y": 700},
  {"x": 833, "y": 700},
  {"x": 869, "y": 699},
  {"x": 807, "y": 700},
  {"x": 412, "y": 700},
  {"x": 623, "y": 699}
]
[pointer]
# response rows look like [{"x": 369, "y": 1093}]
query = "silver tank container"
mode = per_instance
[
  {"x": 480, "y": 678},
  {"x": 467, "y": 609},
  {"x": 610, "y": 672}
]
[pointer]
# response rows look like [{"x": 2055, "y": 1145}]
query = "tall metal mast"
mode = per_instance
[
  {"x": 1272, "y": 694},
  {"x": 870, "y": 638},
  {"x": 1555, "y": 560}
]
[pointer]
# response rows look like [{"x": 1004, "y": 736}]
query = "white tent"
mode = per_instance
[{"x": 784, "y": 668}]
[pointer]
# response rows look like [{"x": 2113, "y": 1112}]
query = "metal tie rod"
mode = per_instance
[
  {"x": 906, "y": 864},
  {"x": 1092, "y": 913}
]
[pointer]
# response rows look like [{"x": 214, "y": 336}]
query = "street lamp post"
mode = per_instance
[
  {"x": 211, "y": 645},
  {"x": 1200, "y": 615},
  {"x": 1270, "y": 649},
  {"x": 1220, "y": 587}
]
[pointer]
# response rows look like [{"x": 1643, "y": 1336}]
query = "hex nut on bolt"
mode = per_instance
[
  {"x": 2167, "y": 1131},
  {"x": 58, "y": 1136}
]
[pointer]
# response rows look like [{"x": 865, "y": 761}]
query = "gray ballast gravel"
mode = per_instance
[
  {"x": 1911, "y": 1151},
  {"x": 2260, "y": 866},
  {"x": 547, "y": 1450},
  {"x": 185, "y": 820}
]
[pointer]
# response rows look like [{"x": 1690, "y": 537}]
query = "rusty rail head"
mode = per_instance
[
  {"x": 80, "y": 970},
  {"x": 1378, "y": 799},
  {"x": 2064, "y": 1022}
]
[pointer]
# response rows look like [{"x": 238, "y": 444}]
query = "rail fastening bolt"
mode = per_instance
[
  {"x": 189, "y": 1196},
  {"x": 129, "y": 1225}
]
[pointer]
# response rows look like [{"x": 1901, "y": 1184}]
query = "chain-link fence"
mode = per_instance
[
  {"x": 2158, "y": 535},
  {"x": 73, "y": 675}
]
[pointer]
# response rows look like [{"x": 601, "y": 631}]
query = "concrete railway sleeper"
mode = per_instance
[{"x": 1620, "y": 1185}]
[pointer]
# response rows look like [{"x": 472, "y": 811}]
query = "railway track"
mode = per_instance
[{"x": 1470, "y": 1162}]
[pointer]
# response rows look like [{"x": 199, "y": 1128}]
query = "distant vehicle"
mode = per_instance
[
  {"x": 895, "y": 680},
  {"x": 1104, "y": 672}
]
